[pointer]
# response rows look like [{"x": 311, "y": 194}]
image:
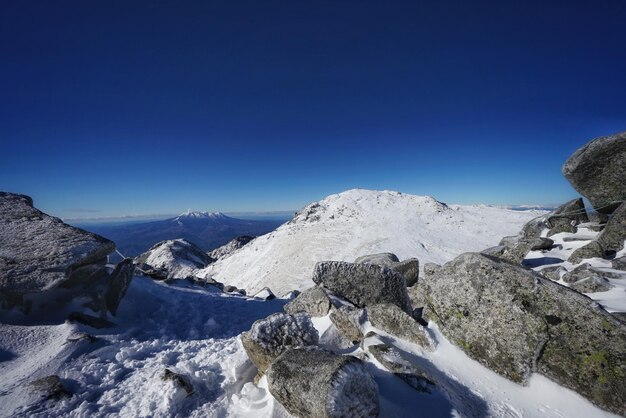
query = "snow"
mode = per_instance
[{"x": 358, "y": 222}]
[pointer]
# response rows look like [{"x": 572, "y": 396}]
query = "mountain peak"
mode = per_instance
[{"x": 200, "y": 215}]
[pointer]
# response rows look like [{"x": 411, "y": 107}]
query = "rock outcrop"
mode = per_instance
[
  {"x": 173, "y": 259},
  {"x": 608, "y": 242},
  {"x": 269, "y": 337},
  {"x": 363, "y": 284},
  {"x": 313, "y": 301},
  {"x": 230, "y": 247},
  {"x": 409, "y": 268},
  {"x": 310, "y": 382},
  {"x": 514, "y": 321},
  {"x": 597, "y": 170}
]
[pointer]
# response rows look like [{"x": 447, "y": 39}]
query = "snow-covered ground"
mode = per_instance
[{"x": 357, "y": 222}]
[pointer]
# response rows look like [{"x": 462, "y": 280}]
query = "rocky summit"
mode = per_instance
[{"x": 598, "y": 171}]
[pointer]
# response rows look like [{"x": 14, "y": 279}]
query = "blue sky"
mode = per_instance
[{"x": 111, "y": 108}]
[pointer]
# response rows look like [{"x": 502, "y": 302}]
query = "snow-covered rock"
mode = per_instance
[
  {"x": 230, "y": 247},
  {"x": 313, "y": 301},
  {"x": 173, "y": 259},
  {"x": 357, "y": 222},
  {"x": 408, "y": 268}
]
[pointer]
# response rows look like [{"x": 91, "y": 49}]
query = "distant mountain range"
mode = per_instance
[{"x": 208, "y": 230}]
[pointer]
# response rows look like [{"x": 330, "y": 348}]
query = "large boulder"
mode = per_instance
[
  {"x": 313, "y": 301},
  {"x": 574, "y": 210},
  {"x": 598, "y": 171},
  {"x": 310, "y": 382},
  {"x": 350, "y": 322},
  {"x": 39, "y": 252},
  {"x": 117, "y": 285},
  {"x": 515, "y": 251},
  {"x": 173, "y": 259},
  {"x": 609, "y": 241},
  {"x": 269, "y": 337},
  {"x": 514, "y": 321},
  {"x": 394, "y": 321},
  {"x": 409, "y": 268},
  {"x": 363, "y": 284}
]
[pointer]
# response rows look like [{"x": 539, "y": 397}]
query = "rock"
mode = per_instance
[
  {"x": 597, "y": 171},
  {"x": 553, "y": 273},
  {"x": 621, "y": 316},
  {"x": 514, "y": 322},
  {"x": 585, "y": 271},
  {"x": 393, "y": 360},
  {"x": 534, "y": 228},
  {"x": 392, "y": 320},
  {"x": 230, "y": 247},
  {"x": 591, "y": 250},
  {"x": 173, "y": 259},
  {"x": 313, "y": 301},
  {"x": 269, "y": 337},
  {"x": 409, "y": 268},
  {"x": 81, "y": 336},
  {"x": 50, "y": 387},
  {"x": 363, "y": 284},
  {"x": 265, "y": 294},
  {"x": 574, "y": 210},
  {"x": 614, "y": 233},
  {"x": 509, "y": 241},
  {"x": 310, "y": 382},
  {"x": 382, "y": 259},
  {"x": 592, "y": 285},
  {"x": 560, "y": 225},
  {"x": 39, "y": 252},
  {"x": 118, "y": 283},
  {"x": 179, "y": 381},
  {"x": 516, "y": 251},
  {"x": 349, "y": 322},
  {"x": 619, "y": 263},
  {"x": 575, "y": 239},
  {"x": 90, "y": 320}
]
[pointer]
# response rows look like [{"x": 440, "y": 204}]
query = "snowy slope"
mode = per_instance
[{"x": 358, "y": 222}]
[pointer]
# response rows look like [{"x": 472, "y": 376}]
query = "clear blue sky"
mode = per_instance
[{"x": 116, "y": 107}]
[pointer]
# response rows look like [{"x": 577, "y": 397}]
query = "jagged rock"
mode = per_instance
[
  {"x": 230, "y": 247},
  {"x": 363, "y": 284},
  {"x": 619, "y": 263},
  {"x": 586, "y": 271},
  {"x": 574, "y": 210},
  {"x": 591, "y": 250},
  {"x": 409, "y": 268},
  {"x": 349, "y": 322},
  {"x": 552, "y": 273},
  {"x": 313, "y": 301},
  {"x": 178, "y": 380},
  {"x": 90, "y": 320},
  {"x": 614, "y": 233},
  {"x": 117, "y": 285},
  {"x": 560, "y": 225},
  {"x": 382, "y": 259},
  {"x": 265, "y": 294},
  {"x": 50, "y": 387},
  {"x": 592, "y": 285},
  {"x": 516, "y": 251},
  {"x": 396, "y": 363},
  {"x": 310, "y": 382},
  {"x": 514, "y": 321},
  {"x": 173, "y": 259},
  {"x": 39, "y": 252},
  {"x": 598, "y": 169},
  {"x": 392, "y": 320},
  {"x": 269, "y": 337},
  {"x": 534, "y": 228}
]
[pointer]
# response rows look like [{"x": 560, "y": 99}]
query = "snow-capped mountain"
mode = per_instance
[
  {"x": 172, "y": 259},
  {"x": 359, "y": 222},
  {"x": 208, "y": 230}
]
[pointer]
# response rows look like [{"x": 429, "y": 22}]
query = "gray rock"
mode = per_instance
[
  {"x": 393, "y": 360},
  {"x": 382, "y": 259},
  {"x": 39, "y": 252},
  {"x": 574, "y": 210},
  {"x": 349, "y": 322},
  {"x": 363, "y": 284},
  {"x": 509, "y": 241},
  {"x": 50, "y": 387},
  {"x": 614, "y": 233},
  {"x": 117, "y": 284},
  {"x": 598, "y": 171},
  {"x": 516, "y": 251},
  {"x": 534, "y": 227},
  {"x": 619, "y": 263},
  {"x": 575, "y": 239},
  {"x": 591, "y": 250},
  {"x": 621, "y": 316},
  {"x": 179, "y": 381},
  {"x": 409, "y": 268},
  {"x": 310, "y": 382},
  {"x": 560, "y": 225},
  {"x": 592, "y": 285},
  {"x": 553, "y": 273},
  {"x": 586, "y": 271},
  {"x": 392, "y": 320},
  {"x": 269, "y": 337},
  {"x": 313, "y": 301},
  {"x": 514, "y": 321}
]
